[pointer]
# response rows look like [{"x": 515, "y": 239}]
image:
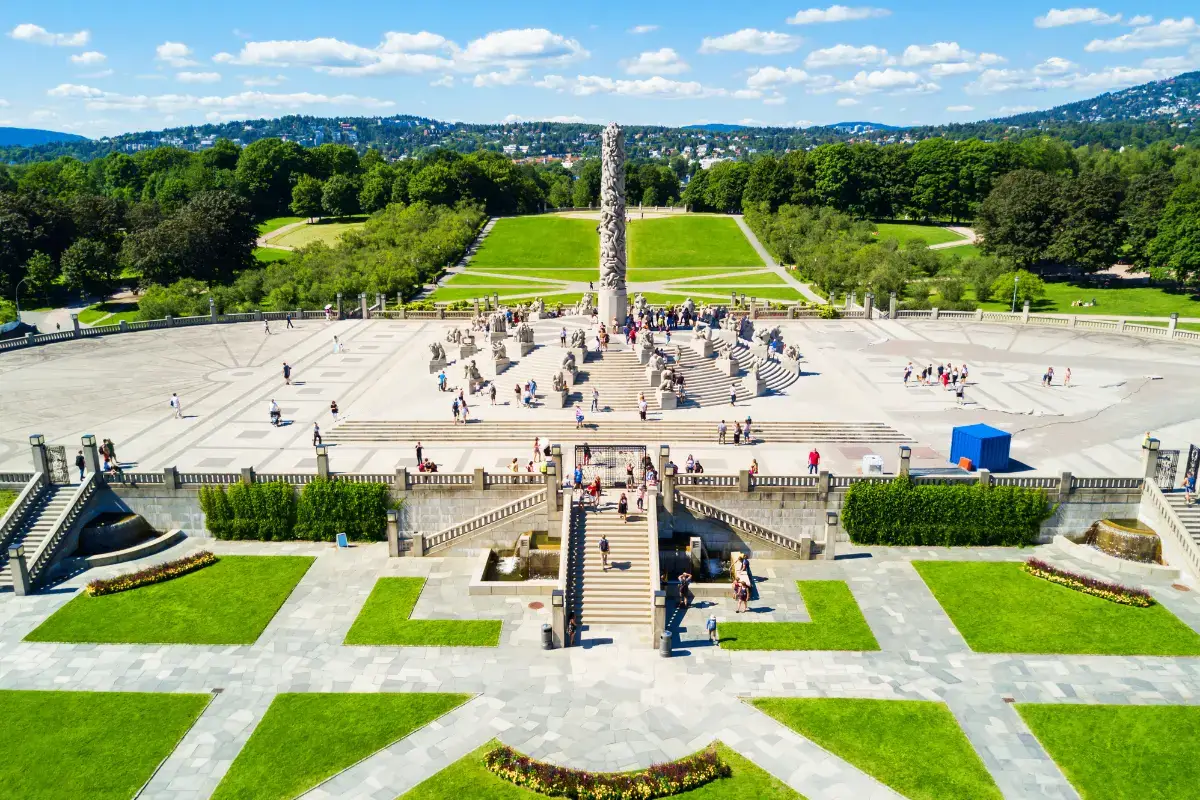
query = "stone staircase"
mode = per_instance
[
  {"x": 38, "y": 523},
  {"x": 619, "y": 595},
  {"x": 1188, "y": 515}
]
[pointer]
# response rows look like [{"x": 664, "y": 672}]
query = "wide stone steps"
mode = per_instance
[
  {"x": 1188, "y": 515},
  {"x": 619, "y": 595},
  {"x": 38, "y": 525},
  {"x": 610, "y": 431}
]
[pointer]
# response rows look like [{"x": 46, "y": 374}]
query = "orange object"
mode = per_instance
[{"x": 967, "y": 464}]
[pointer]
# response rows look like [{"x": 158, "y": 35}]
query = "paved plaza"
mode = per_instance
[{"x": 118, "y": 387}]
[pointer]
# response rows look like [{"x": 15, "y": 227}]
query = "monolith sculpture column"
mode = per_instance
[{"x": 613, "y": 299}]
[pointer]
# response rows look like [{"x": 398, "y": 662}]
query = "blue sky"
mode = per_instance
[{"x": 101, "y": 69}]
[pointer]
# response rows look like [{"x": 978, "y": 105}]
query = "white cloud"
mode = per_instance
[
  {"x": 767, "y": 77},
  {"x": 74, "y": 90},
  {"x": 1055, "y": 66},
  {"x": 512, "y": 118},
  {"x": 994, "y": 81},
  {"x": 420, "y": 42},
  {"x": 198, "y": 77},
  {"x": 844, "y": 54},
  {"x": 894, "y": 80},
  {"x": 1176, "y": 63},
  {"x": 960, "y": 109},
  {"x": 664, "y": 61},
  {"x": 813, "y": 16},
  {"x": 175, "y": 54},
  {"x": 446, "y": 81},
  {"x": 654, "y": 87},
  {"x": 1115, "y": 77},
  {"x": 39, "y": 35},
  {"x": 1057, "y": 17},
  {"x": 266, "y": 80},
  {"x": 555, "y": 82},
  {"x": 508, "y": 77},
  {"x": 1167, "y": 33},
  {"x": 1141, "y": 19},
  {"x": 847, "y": 101},
  {"x": 639, "y": 29},
  {"x": 522, "y": 46},
  {"x": 89, "y": 59},
  {"x": 4, "y": 103},
  {"x": 751, "y": 40},
  {"x": 99, "y": 100},
  {"x": 42, "y": 114},
  {"x": 936, "y": 53},
  {"x": 1018, "y": 109},
  {"x": 953, "y": 68}
]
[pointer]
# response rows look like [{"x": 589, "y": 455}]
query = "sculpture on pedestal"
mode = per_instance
[
  {"x": 499, "y": 322},
  {"x": 454, "y": 336},
  {"x": 437, "y": 352},
  {"x": 613, "y": 298},
  {"x": 499, "y": 351},
  {"x": 579, "y": 338},
  {"x": 568, "y": 362},
  {"x": 765, "y": 335},
  {"x": 524, "y": 333},
  {"x": 560, "y": 385},
  {"x": 471, "y": 372}
]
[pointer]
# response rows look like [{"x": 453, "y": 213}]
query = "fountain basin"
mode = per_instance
[{"x": 1128, "y": 539}]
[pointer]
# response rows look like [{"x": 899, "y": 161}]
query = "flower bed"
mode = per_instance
[
  {"x": 1081, "y": 583},
  {"x": 155, "y": 574},
  {"x": 661, "y": 780}
]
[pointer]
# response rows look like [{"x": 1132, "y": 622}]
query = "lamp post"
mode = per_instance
[
  {"x": 1016, "y": 279},
  {"x": 17, "y": 296}
]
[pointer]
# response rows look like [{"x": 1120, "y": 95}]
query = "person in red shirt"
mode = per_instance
[{"x": 814, "y": 461}]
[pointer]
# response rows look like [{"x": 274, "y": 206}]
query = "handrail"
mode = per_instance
[
  {"x": 1173, "y": 524},
  {"x": 1106, "y": 483},
  {"x": 477, "y": 523},
  {"x": 40, "y": 560},
  {"x": 15, "y": 477},
  {"x": 739, "y": 523},
  {"x": 655, "y": 566},
  {"x": 15, "y": 514},
  {"x": 565, "y": 550}
]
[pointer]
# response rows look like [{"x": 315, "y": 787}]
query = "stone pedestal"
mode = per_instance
[
  {"x": 526, "y": 347},
  {"x": 613, "y": 303},
  {"x": 475, "y": 386},
  {"x": 580, "y": 355},
  {"x": 703, "y": 347},
  {"x": 467, "y": 349},
  {"x": 667, "y": 401},
  {"x": 653, "y": 376},
  {"x": 558, "y": 399},
  {"x": 570, "y": 377},
  {"x": 497, "y": 336},
  {"x": 727, "y": 366},
  {"x": 643, "y": 354},
  {"x": 436, "y": 365},
  {"x": 753, "y": 385},
  {"x": 501, "y": 365}
]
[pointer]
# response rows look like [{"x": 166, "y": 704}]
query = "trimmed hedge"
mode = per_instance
[
  {"x": 271, "y": 511},
  {"x": 902, "y": 513},
  {"x": 330, "y": 507},
  {"x": 149, "y": 575}
]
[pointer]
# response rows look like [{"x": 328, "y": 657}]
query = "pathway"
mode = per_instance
[
  {"x": 266, "y": 239},
  {"x": 774, "y": 266},
  {"x": 968, "y": 233}
]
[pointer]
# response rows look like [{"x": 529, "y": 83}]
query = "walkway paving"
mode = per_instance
[
  {"x": 266, "y": 239},
  {"x": 610, "y": 704}
]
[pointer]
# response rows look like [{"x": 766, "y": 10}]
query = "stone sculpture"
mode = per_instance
[
  {"x": 560, "y": 385},
  {"x": 437, "y": 352},
  {"x": 524, "y": 333},
  {"x": 454, "y": 336},
  {"x": 792, "y": 352},
  {"x": 499, "y": 323},
  {"x": 471, "y": 372},
  {"x": 568, "y": 362},
  {"x": 765, "y": 336},
  {"x": 499, "y": 351},
  {"x": 613, "y": 298},
  {"x": 579, "y": 338},
  {"x": 640, "y": 306}
]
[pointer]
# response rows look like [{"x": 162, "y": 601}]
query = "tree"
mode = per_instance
[
  {"x": 586, "y": 191},
  {"x": 266, "y": 171},
  {"x": 1144, "y": 204},
  {"x": 328, "y": 160},
  {"x": 40, "y": 272},
  {"x": 88, "y": 266},
  {"x": 1089, "y": 233},
  {"x": 211, "y": 238},
  {"x": 1176, "y": 248},
  {"x": 1019, "y": 218},
  {"x": 1027, "y": 285},
  {"x": 222, "y": 155},
  {"x": 307, "y": 197},
  {"x": 726, "y": 185},
  {"x": 340, "y": 197},
  {"x": 376, "y": 188}
]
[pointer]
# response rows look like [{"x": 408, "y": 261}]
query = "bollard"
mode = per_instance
[
  {"x": 547, "y": 636},
  {"x": 664, "y": 644}
]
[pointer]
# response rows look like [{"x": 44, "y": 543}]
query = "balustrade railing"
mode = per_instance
[{"x": 477, "y": 523}]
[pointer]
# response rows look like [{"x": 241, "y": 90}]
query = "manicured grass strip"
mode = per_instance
[
  {"x": 305, "y": 739},
  {"x": 324, "y": 231},
  {"x": 267, "y": 255},
  {"x": 914, "y": 746},
  {"x": 734, "y": 281},
  {"x": 647, "y": 274},
  {"x": 542, "y": 241},
  {"x": 837, "y": 624},
  {"x": 384, "y": 620},
  {"x": 230, "y": 602},
  {"x": 449, "y": 295},
  {"x": 1147, "y": 301},
  {"x": 7, "y": 498},
  {"x": 473, "y": 279},
  {"x": 275, "y": 223},
  {"x": 469, "y": 779},
  {"x": 999, "y": 608},
  {"x": 759, "y": 292},
  {"x": 98, "y": 745},
  {"x": 553, "y": 273},
  {"x": 1121, "y": 752},
  {"x": 962, "y": 251},
  {"x": 689, "y": 241},
  {"x": 930, "y": 234},
  {"x": 111, "y": 313}
]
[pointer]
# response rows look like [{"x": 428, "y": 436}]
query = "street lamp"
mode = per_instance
[
  {"x": 1016, "y": 279},
  {"x": 17, "y": 296}
]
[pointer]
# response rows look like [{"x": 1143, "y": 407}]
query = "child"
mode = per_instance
[
  {"x": 711, "y": 625},
  {"x": 623, "y": 507}
]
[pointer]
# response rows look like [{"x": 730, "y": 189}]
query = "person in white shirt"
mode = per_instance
[{"x": 177, "y": 404}]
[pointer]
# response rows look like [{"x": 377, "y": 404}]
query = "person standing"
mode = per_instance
[
  {"x": 537, "y": 448},
  {"x": 1067, "y": 378},
  {"x": 908, "y": 373},
  {"x": 721, "y": 429},
  {"x": 333, "y": 409},
  {"x": 572, "y": 629},
  {"x": 316, "y": 434},
  {"x": 685, "y": 590},
  {"x": 441, "y": 379},
  {"x": 337, "y": 345},
  {"x": 642, "y": 408},
  {"x": 623, "y": 507},
  {"x": 419, "y": 452},
  {"x": 733, "y": 394},
  {"x": 737, "y": 434},
  {"x": 814, "y": 461},
  {"x": 81, "y": 463},
  {"x": 288, "y": 317},
  {"x": 603, "y": 552},
  {"x": 492, "y": 393},
  {"x": 177, "y": 404},
  {"x": 578, "y": 417},
  {"x": 711, "y": 625},
  {"x": 462, "y": 404},
  {"x": 577, "y": 478},
  {"x": 746, "y": 431},
  {"x": 595, "y": 399},
  {"x": 454, "y": 407},
  {"x": 287, "y": 374},
  {"x": 266, "y": 327},
  {"x": 641, "y": 497},
  {"x": 1189, "y": 487}
]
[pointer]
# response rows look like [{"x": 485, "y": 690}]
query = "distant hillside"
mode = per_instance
[
  {"x": 717, "y": 127},
  {"x": 1175, "y": 99},
  {"x": 31, "y": 137},
  {"x": 860, "y": 127}
]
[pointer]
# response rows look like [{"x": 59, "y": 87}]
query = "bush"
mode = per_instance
[
  {"x": 154, "y": 574},
  {"x": 330, "y": 507},
  {"x": 661, "y": 780},
  {"x": 256, "y": 511},
  {"x": 828, "y": 311},
  {"x": 901, "y": 513}
]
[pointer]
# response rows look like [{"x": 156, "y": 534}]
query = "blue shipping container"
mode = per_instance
[{"x": 987, "y": 447}]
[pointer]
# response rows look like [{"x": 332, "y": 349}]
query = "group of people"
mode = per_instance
[
  {"x": 1048, "y": 378},
  {"x": 108, "y": 459},
  {"x": 741, "y": 432},
  {"x": 948, "y": 376}
]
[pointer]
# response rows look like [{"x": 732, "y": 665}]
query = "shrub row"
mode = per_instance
[
  {"x": 661, "y": 780},
  {"x": 271, "y": 511},
  {"x": 902, "y": 513},
  {"x": 1114, "y": 592},
  {"x": 154, "y": 574}
]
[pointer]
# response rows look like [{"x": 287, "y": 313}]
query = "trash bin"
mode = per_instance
[
  {"x": 664, "y": 644},
  {"x": 547, "y": 637}
]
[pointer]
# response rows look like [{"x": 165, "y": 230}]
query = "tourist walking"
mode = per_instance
[
  {"x": 562, "y": 337},
  {"x": 595, "y": 399},
  {"x": 960, "y": 394},
  {"x": 733, "y": 394},
  {"x": 711, "y": 625},
  {"x": 572, "y": 629},
  {"x": 316, "y": 434},
  {"x": 420, "y": 450},
  {"x": 741, "y": 596},
  {"x": 462, "y": 405},
  {"x": 266, "y": 327},
  {"x": 721, "y": 428},
  {"x": 492, "y": 392},
  {"x": 746, "y": 430},
  {"x": 908, "y": 373},
  {"x": 642, "y": 408},
  {"x": 337, "y": 345},
  {"x": 441, "y": 379},
  {"x": 623, "y": 507},
  {"x": 578, "y": 417},
  {"x": 1067, "y": 378},
  {"x": 814, "y": 461},
  {"x": 587, "y": 454},
  {"x": 81, "y": 463},
  {"x": 603, "y": 552},
  {"x": 737, "y": 434},
  {"x": 177, "y": 404},
  {"x": 288, "y": 317},
  {"x": 287, "y": 374},
  {"x": 333, "y": 409},
  {"x": 454, "y": 408},
  {"x": 641, "y": 497},
  {"x": 275, "y": 414},
  {"x": 685, "y": 589},
  {"x": 1189, "y": 487},
  {"x": 537, "y": 448}
]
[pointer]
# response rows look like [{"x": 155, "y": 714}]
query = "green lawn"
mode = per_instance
[
  {"x": 305, "y": 739},
  {"x": 1148, "y": 301},
  {"x": 275, "y": 223},
  {"x": 553, "y": 273},
  {"x": 1121, "y": 752},
  {"x": 542, "y": 241},
  {"x": 734, "y": 281},
  {"x": 449, "y": 295},
  {"x": 469, "y": 779},
  {"x": 930, "y": 234},
  {"x": 326, "y": 231},
  {"x": 962, "y": 251},
  {"x": 474, "y": 279},
  {"x": 837, "y": 624},
  {"x": 267, "y": 255},
  {"x": 643, "y": 274},
  {"x": 914, "y": 746},
  {"x": 7, "y": 498},
  {"x": 689, "y": 241},
  {"x": 94, "y": 745},
  {"x": 110, "y": 313},
  {"x": 1000, "y": 608},
  {"x": 384, "y": 620},
  {"x": 230, "y": 602},
  {"x": 760, "y": 292}
]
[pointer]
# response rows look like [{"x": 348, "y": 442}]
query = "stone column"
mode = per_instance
[
  {"x": 91, "y": 453},
  {"x": 660, "y": 617},
  {"x": 362, "y": 303},
  {"x": 212, "y": 310},
  {"x": 1150, "y": 449},
  {"x": 664, "y": 455},
  {"x": 170, "y": 478},
  {"x": 852, "y": 301},
  {"x": 823, "y": 485},
  {"x": 668, "y": 490},
  {"x": 933, "y": 313},
  {"x": 418, "y": 545},
  {"x": 695, "y": 553},
  {"x": 393, "y": 533},
  {"x": 985, "y": 477},
  {"x": 831, "y": 526},
  {"x": 41, "y": 460},
  {"x": 869, "y": 305},
  {"x": 1025, "y": 312},
  {"x": 613, "y": 298},
  {"x": 248, "y": 475},
  {"x": 551, "y": 492},
  {"x": 1171, "y": 325},
  {"x": 905, "y": 459},
  {"x": 402, "y": 484},
  {"x": 556, "y": 456},
  {"x": 743, "y": 480},
  {"x": 479, "y": 479},
  {"x": 22, "y": 585},
  {"x": 558, "y": 617},
  {"x": 1064, "y": 487},
  {"x": 892, "y": 305},
  {"x": 339, "y": 306},
  {"x": 322, "y": 461},
  {"x": 75, "y": 325}
]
